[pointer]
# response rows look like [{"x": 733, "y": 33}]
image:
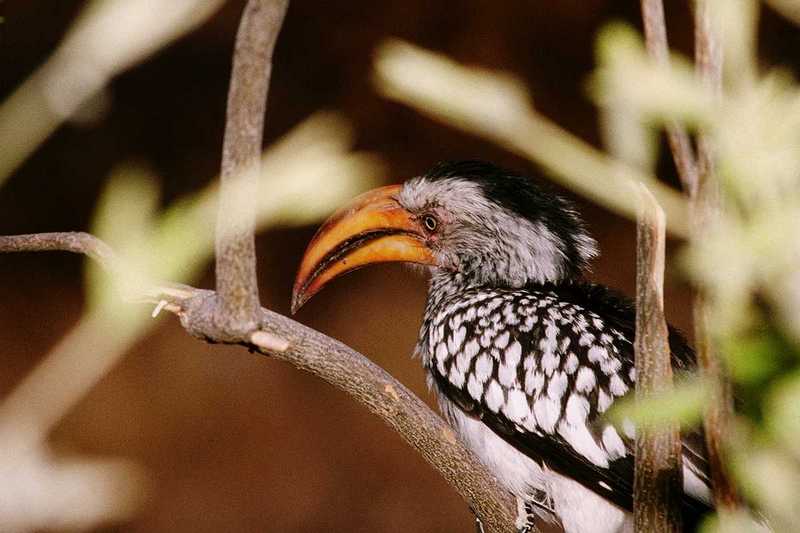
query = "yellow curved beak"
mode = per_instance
[{"x": 373, "y": 228}]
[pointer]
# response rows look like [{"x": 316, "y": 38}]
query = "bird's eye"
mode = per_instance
[{"x": 430, "y": 222}]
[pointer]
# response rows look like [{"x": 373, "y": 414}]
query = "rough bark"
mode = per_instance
[
  {"x": 658, "y": 478},
  {"x": 237, "y": 283},
  {"x": 700, "y": 184},
  {"x": 704, "y": 207}
]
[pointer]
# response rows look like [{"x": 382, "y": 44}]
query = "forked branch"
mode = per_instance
[
  {"x": 327, "y": 358},
  {"x": 655, "y": 31},
  {"x": 233, "y": 314}
]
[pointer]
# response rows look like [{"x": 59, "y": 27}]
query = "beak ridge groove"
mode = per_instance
[{"x": 374, "y": 228}]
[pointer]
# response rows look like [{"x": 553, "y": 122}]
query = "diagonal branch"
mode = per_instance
[
  {"x": 327, "y": 358},
  {"x": 658, "y": 476},
  {"x": 373, "y": 387},
  {"x": 704, "y": 208},
  {"x": 237, "y": 283},
  {"x": 655, "y": 31}
]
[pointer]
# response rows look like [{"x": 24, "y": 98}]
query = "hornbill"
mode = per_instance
[{"x": 523, "y": 353}]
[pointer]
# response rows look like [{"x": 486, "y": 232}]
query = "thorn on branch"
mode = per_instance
[
  {"x": 159, "y": 307},
  {"x": 269, "y": 342}
]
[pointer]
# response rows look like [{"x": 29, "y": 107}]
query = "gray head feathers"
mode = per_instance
[{"x": 497, "y": 227}]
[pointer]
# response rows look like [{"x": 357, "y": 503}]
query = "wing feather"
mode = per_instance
[{"x": 540, "y": 367}]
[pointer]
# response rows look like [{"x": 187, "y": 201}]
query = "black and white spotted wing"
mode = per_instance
[{"x": 540, "y": 366}]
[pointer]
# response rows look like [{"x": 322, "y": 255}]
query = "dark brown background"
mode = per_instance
[{"x": 235, "y": 441}]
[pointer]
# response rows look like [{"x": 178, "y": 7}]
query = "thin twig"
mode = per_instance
[
  {"x": 658, "y": 478},
  {"x": 77, "y": 242},
  {"x": 708, "y": 59},
  {"x": 704, "y": 209},
  {"x": 330, "y": 360},
  {"x": 680, "y": 144},
  {"x": 237, "y": 283}
]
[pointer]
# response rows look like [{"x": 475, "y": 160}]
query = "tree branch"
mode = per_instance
[
  {"x": 327, "y": 358},
  {"x": 701, "y": 186},
  {"x": 704, "y": 208},
  {"x": 708, "y": 59},
  {"x": 370, "y": 385},
  {"x": 233, "y": 315},
  {"x": 75, "y": 242},
  {"x": 658, "y": 479},
  {"x": 655, "y": 31},
  {"x": 237, "y": 283},
  {"x": 658, "y": 474}
]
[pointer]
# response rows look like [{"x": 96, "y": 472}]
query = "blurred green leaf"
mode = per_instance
[
  {"x": 684, "y": 405},
  {"x": 303, "y": 177},
  {"x": 731, "y": 522},
  {"x": 771, "y": 479},
  {"x": 108, "y": 37},
  {"x": 124, "y": 219},
  {"x": 497, "y": 106},
  {"x": 627, "y": 77},
  {"x": 782, "y": 413},
  {"x": 755, "y": 358},
  {"x": 736, "y": 23}
]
